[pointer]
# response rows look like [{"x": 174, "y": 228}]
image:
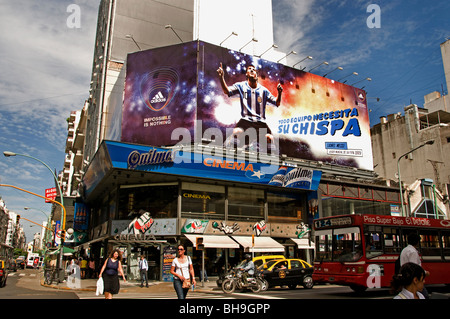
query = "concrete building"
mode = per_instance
[{"x": 397, "y": 135}]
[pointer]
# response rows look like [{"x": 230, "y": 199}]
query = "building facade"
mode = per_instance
[{"x": 135, "y": 190}]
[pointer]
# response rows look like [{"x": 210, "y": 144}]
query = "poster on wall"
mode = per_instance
[
  {"x": 160, "y": 94},
  {"x": 169, "y": 254},
  {"x": 197, "y": 92}
]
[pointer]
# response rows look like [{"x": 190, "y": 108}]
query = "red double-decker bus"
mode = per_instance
[{"x": 350, "y": 248}]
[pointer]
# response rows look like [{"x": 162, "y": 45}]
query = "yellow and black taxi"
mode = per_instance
[
  {"x": 287, "y": 272},
  {"x": 3, "y": 273}
]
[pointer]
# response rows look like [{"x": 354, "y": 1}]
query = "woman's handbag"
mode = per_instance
[{"x": 186, "y": 283}]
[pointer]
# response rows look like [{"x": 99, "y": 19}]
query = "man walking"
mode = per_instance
[{"x": 143, "y": 268}]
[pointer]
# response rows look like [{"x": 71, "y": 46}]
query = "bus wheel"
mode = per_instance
[{"x": 358, "y": 289}]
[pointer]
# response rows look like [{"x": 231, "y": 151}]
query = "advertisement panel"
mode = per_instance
[
  {"x": 199, "y": 92},
  {"x": 167, "y": 161},
  {"x": 160, "y": 94}
]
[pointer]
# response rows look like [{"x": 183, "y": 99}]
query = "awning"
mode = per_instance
[
  {"x": 212, "y": 241},
  {"x": 66, "y": 251},
  {"x": 262, "y": 244},
  {"x": 303, "y": 243}
]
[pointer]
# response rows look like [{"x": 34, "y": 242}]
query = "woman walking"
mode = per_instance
[
  {"x": 183, "y": 273},
  {"x": 110, "y": 273}
]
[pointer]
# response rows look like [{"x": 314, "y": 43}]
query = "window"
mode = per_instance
[
  {"x": 159, "y": 201},
  {"x": 342, "y": 244},
  {"x": 373, "y": 237},
  {"x": 445, "y": 238},
  {"x": 392, "y": 244},
  {"x": 429, "y": 245},
  {"x": 284, "y": 207},
  {"x": 245, "y": 204},
  {"x": 202, "y": 201},
  {"x": 296, "y": 264}
]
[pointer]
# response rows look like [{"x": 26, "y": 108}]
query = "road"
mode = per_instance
[{"x": 25, "y": 284}]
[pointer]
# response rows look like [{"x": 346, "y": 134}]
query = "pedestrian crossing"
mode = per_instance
[{"x": 21, "y": 274}]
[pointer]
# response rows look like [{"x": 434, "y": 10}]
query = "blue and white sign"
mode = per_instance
[{"x": 168, "y": 161}]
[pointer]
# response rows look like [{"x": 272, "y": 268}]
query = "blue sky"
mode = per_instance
[{"x": 46, "y": 68}]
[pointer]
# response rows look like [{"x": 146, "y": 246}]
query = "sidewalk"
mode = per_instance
[{"x": 134, "y": 286}]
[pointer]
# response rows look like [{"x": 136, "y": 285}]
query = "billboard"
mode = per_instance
[{"x": 199, "y": 92}]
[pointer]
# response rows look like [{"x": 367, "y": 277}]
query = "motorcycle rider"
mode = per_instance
[{"x": 247, "y": 268}]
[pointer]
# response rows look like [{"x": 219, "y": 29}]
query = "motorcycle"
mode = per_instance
[{"x": 234, "y": 280}]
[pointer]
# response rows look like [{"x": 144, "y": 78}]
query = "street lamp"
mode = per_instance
[
  {"x": 252, "y": 40},
  {"x": 169, "y": 26},
  {"x": 292, "y": 52},
  {"x": 308, "y": 57},
  {"x": 130, "y": 36},
  {"x": 430, "y": 142},
  {"x": 232, "y": 33},
  {"x": 325, "y": 62},
  {"x": 272, "y": 46},
  {"x": 338, "y": 68},
  {"x": 9, "y": 154}
]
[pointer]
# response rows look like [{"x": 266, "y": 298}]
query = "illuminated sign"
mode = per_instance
[{"x": 195, "y": 92}]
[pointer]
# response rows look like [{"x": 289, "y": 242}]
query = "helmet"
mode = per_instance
[{"x": 248, "y": 256}]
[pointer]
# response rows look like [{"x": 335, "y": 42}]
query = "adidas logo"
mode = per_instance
[{"x": 158, "y": 98}]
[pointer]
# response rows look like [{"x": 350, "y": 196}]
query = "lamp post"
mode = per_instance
[
  {"x": 44, "y": 238},
  {"x": 232, "y": 33},
  {"x": 252, "y": 40},
  {"x": 308, "y": 57},
  {"x": 292, "y": 52},
  {"x": 130, "y": 36},
  {"x": 430, "y": 142},
  {"x": 324, "y": 62},
  {"x": 272, "y": 46},
  {"x": 63, "y": 213},
  {"x": 169, "y": 26}
]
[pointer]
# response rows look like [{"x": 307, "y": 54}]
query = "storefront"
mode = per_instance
[{"x": 149, "y": 208}]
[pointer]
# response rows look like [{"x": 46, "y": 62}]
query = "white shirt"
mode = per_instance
[
  {"x": 410, "y": 255},
  {"x": 143, "y": 264},
  {"x": 182, "y": 269},
  {"x": 406, "y": 294}
]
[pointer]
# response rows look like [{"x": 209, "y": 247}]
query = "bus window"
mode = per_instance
[
  {"x": 347, "y": 245},
  {"x": 373, "y": 237},
  {"x": 323, "y": 245},
  {"x": 429, "y": 245},
  {"x": 392, "y": 243},
  {"x": 445, "y": 236}
]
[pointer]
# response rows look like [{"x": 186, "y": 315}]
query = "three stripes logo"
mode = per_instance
[
  {"x": 158, "y": 98},
  {"x": 159, "y": 87}
]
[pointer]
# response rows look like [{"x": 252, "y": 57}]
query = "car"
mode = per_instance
[
  {"x": 20, "y": 263},
  {"x": 13, "y": 265},
  {"x": 262, "y": 260},
  {"x": 3, "y": 273},
  {"x": 287, "y": 272}
]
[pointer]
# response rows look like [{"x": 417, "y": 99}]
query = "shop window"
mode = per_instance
[
  {"x": 159, "y": 201},
  {"x": 284, "y": 207},
  {"x": 203, "y": 201},
  {"x": 245, "y": 204}
]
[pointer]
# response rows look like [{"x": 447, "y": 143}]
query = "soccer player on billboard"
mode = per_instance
[{"x": 253, "y": 97}]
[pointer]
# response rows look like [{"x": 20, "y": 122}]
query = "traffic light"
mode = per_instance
[
  {"x": 199, "y": 243},
  {"x": 63, "y": 236},
  {"x": 17, "y": 219}
]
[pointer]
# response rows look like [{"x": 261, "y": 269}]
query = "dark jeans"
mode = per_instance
[
  {"x": 144, "y": 277},
  {"x": 181, "y": 292}
]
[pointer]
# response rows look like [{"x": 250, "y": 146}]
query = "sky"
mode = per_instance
[{"x": 46, "y": 63}]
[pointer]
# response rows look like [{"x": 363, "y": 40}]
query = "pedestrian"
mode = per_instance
[
  {"x": 91, "y": 268},
  {"x": 143, "y": 268},
  {"x": 83, "y": 267},
  {"x": 410, "y": 254},
  {"x": 183, "y": 273},
  {"x": 409, "y": 282},
  {"x": 110, "y": 274}
]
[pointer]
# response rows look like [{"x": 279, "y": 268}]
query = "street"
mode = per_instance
[{"x": 25, "y": 284}]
